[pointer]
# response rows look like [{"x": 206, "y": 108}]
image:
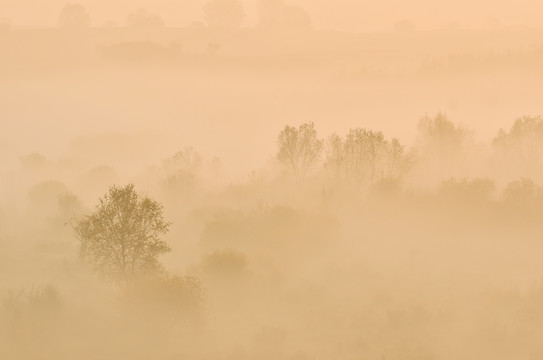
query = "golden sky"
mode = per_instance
[{"x": 349, "y": 15}]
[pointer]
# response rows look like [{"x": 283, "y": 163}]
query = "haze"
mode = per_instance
[
  {"x": 271, "y": 179},
  {"x": 341, "y": 15}
]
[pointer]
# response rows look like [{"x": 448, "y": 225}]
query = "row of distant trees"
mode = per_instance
[
  {"x": 123, "y": 238},
  {"x": 367, "y": 156},
  {"x": 220, "y": 14}
]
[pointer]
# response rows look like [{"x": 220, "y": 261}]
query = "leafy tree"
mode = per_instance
[
  {"x": 335, "y": 155},
  {"x": 299, "y": 149},
  {"x": 443, "y": 147},
  {"x": 521, "y": 193},
  {"x": 122, "y": 238},
  {"x": 519, "y": 151},
  {"x": 186, "y": 160},
  {"x": 364, "y": 153},
  {"x": 398, "y": 161},
  {"x": 366, "y": 156},
  {"x": 74, "y": 16},
  {"x": 182, "y": 170},
  {"x": 440, "y": 136},
  {"x": 224, "y": 14},
  {"x": 524, "y": 139}
]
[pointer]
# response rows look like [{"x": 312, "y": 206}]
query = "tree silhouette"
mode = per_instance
[
  {"x": 366, "y": 156},
  {"x": 299, "y": 149},
  {"x": 74, "y": 16},
  {"x": 122, "y": 238},
  {"x": 444, "y": 146},
  {"x": 224, "y": 14},
  {"x": 519, "y": 151},
  {"x": 524, "y": 139}
]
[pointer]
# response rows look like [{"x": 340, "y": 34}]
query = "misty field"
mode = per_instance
[{"x": 236, "y": 191}]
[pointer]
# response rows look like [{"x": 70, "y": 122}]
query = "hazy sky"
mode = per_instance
[{"x": 352, "y": 15}]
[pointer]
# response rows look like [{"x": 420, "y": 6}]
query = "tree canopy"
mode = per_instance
[
  {"x": 299, "y": 148},
  {"x": 122, "y": 238},
  {"x": 74, "y": 16}
]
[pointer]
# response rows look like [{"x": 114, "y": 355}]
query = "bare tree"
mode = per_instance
[
  {"x": 122, "y": 238},
  {"x": 299, "y": 149}
]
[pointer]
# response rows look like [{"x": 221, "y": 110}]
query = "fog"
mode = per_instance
[
  {"x": 271, "y": 180},
  {"x": 343, "y": 15}
]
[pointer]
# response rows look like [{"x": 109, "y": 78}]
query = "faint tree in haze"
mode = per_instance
[
  {"x": 74, "y": 16},
  {"x": 182, "y": 170},
  {"x": 335, "y": 156},
  {"x": 187, "y": 160},
  {"x": 270, "y": 13},
  {"x": 366, "y": 156},
  {"x": 45, "y": 193},
  {"x": 33, "y": 163},
  {"x": 296, "y": 18},
  {"x": 519, "y": 151},
  {"x": 405, "y": 26},
  {"x": 224, "y": 14},
  {"x": 365, "y": 152},
  {"x": 164, "y": 302},
  {"x": 524, "y": 139},
  {"x": 275, "y": 14},
  {"x": 398, "y": 160},
  {"x": 522, "y": 192},
  {"x": 299, "y": 149},
  {"x": 213, "y": 48},
  {"x": 439, "y": 135},
  {"x": 467, "y": 192},
  {"x": 443, "y": 146},
  {"x": 122, "y": 238},
  {"x": 143, "y": 19},
  {"x": 224, "y": 263}
]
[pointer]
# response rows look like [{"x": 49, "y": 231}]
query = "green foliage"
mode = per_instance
[{"x": 122, "y": 238}]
